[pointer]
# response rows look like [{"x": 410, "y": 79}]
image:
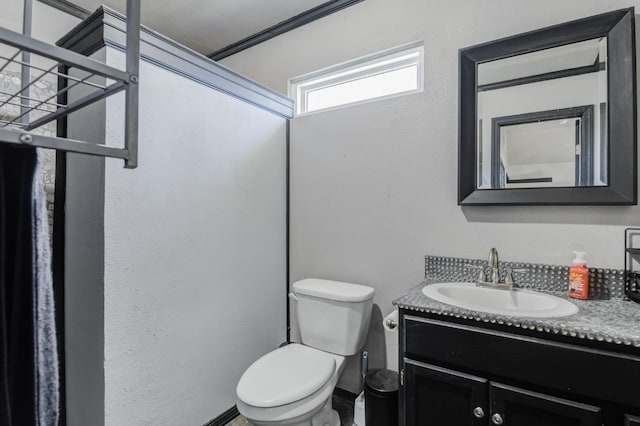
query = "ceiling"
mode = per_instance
[{"x": 209, "y": 25}]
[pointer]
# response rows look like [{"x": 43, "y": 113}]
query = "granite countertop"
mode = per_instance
[{"x": 613, "y": 321}]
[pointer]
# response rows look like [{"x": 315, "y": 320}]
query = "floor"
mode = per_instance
[{"x": 344, "y": 407}]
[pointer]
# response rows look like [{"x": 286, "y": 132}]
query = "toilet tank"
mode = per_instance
[{"x": 333, "y": 316}]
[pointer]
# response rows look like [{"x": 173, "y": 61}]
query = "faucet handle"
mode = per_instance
[
  {"x": 493, "y": 258},
  {"x": 508, "y": 280},
  {"x": 482, "y": 276}
]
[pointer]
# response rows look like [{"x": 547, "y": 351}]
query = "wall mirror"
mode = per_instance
[{"x": 549, "y": 116}]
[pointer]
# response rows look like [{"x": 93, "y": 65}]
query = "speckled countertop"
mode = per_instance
[{"x": 613, "y": 321}]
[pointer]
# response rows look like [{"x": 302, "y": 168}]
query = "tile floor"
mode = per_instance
[
  {"x": 238, "y": 421},
  {"x": 344, "y": 407}
]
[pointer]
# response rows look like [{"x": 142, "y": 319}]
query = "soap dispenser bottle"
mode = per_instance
[{"x": 579, "y": 277}]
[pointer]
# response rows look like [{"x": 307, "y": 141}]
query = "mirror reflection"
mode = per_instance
[{"x": 542, "y": 118}]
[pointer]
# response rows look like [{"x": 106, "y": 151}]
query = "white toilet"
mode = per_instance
[{"x": 293, "y": 385}]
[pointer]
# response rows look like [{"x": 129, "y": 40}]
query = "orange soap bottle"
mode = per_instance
[{"x": 579, "y": 277}]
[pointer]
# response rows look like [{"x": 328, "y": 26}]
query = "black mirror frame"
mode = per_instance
[{"x": 619, "y": 29}]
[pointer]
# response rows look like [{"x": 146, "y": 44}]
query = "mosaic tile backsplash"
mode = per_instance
[{"x": 604, "y": 284}]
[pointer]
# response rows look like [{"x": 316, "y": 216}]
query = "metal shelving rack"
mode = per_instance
[
  {"x": 21, "y": 113},
  {"x": 631, "y": 255}
]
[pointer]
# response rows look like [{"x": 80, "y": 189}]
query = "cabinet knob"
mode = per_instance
[
  {"x": 496, "y": 419},
  {"x": 478, "y": 412}
]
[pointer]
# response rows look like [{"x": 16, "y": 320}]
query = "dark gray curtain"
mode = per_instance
[{"x": 22, "y": 380}]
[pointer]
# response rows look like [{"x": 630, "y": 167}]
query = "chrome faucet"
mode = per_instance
[
  {"x": 495, "y": 282},
  {"x": 493, "y": 263}
]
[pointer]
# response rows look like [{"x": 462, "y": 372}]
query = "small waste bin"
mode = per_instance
[{"x": 381, "y": 398}]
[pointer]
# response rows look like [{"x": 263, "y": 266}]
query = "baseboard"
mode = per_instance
[
  {"x": 225, "y": 417},
  {"x": 344, "y": 394}
]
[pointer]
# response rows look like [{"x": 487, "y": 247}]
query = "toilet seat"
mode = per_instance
[
  {"x": 286, "y": 375},
  {"x": 290, "y": 413}
]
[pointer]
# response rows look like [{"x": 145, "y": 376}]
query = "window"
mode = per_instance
[{"x": 393, "y": 72}]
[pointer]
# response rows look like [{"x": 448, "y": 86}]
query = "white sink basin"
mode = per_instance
[{"x": 516, "y": 303}]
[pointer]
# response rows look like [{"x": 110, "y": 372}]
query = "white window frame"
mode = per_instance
[{"x": 399, "y": 57}]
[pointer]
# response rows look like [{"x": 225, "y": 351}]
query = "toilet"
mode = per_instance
[{"x": 293, "y": 385}]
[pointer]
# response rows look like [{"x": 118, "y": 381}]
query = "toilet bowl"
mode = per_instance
[
  {"x": 290, "y": 386},
  {"x": 293, "y": 385}
]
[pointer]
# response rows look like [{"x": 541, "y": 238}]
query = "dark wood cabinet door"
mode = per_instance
[
  {"x": 512, "y": 406},
  {"x": 630, "y": 420},
  {"x": 436, "y": 396}
]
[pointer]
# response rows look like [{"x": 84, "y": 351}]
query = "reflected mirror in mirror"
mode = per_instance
[{"x": 542, "y": 118}]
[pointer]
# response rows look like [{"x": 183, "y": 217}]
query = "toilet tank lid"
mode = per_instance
[{"x": 333, "y": 290}]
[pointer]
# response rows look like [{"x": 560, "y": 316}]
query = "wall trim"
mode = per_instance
[
  {"x": 287, "y": 25},
  {"x": 288, "y": 232},
  {"x": 225, "y": 417},
  {"x": 106, "y": 27},
  {"x": 67, "y": 7},
  {"x": 83, "y": 388}
]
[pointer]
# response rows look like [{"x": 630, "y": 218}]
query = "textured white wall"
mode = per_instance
[
  {"x": 49, "y": 24},
  {"x": 194, "y": 251},
  {"x": 374, "y": 186}
]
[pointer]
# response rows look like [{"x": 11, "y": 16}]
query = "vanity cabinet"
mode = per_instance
[
  {"x": 441, "y": 397},
  {"x": 457, "y": 374},
  {"x": 527, "y": 408}
]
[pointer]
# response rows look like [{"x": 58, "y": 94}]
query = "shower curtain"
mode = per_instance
[{"x": 28, "y": 354}]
